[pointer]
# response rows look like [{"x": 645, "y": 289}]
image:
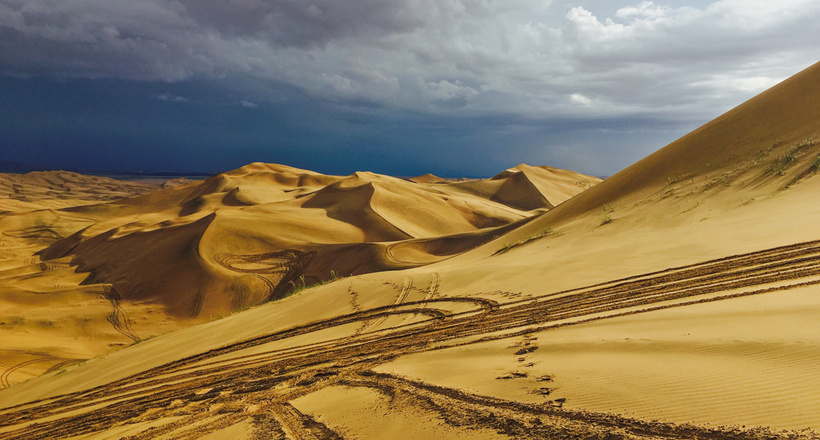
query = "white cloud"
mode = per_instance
[
  {"x": 580, "y": 99},
  {"x": 529, "y": 57},
  {"x": 248, "y": 104},
  {"x": 645, "y": 10}
]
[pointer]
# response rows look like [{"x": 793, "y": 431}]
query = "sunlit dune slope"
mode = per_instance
[
  {"x": 427, "y": 178},
  {"x": 556, "y": 185},
  {"x": 732, "y": 341},
  {"x": 765, "y": 143}
]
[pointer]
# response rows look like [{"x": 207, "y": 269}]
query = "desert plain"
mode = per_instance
[{"x": 677, "y": 299}]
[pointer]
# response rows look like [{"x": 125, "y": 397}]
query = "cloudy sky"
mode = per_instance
[{"x": 453, "y": 87}]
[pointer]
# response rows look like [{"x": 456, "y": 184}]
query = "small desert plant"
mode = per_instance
[
  {"x": 539, "y": 234},
  {"x": 143, "y": 339},
  {"x": 506, "y": 247},
  {"x": 815, "y": 166},
  {"x": 301, "y": 285},
  {"x": 763, "y": 153},
  {"x": 808, "y": 142},
  {"x": 778, "y": 166},
  {"x": 542, "y": 233},
  {"x": 608, "y": 209}
]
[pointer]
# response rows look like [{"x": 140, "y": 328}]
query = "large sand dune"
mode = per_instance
[
  {"x": 677, "y": 299},
  {"x": 153, "y": 258}
]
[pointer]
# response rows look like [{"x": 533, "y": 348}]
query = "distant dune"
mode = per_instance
[
  {"x": 59, "y": 189},
  {"x": 677, "y": 299},
  {"x": 152, "y": 257}
]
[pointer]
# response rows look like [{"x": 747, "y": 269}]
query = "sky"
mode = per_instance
[{"x": 402, "y": 87}]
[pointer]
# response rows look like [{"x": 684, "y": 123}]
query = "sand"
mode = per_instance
[
  {"x": 676, "y": 299},
  {"x": 91, "y": 264}
]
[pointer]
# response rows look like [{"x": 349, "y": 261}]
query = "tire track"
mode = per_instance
[
  {"x": 4, "y": 377},
  {"x": 268, "y": 380},
  {"x": 299, "y": 426},
  {"x": 118, "y": 318},
  {"x": 405, "y": 291},
  {"x": 277, "y": 270},
  {"x": 36, "y": 234},
  {"x": 432, "y": 293}
]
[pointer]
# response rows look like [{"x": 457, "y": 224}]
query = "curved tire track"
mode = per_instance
[{"x": 274, "y": 377}]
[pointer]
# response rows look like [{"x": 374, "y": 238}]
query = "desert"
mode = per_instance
[
  {"x": 403, "y": 220},
  {"x": 675, "y": 299}
]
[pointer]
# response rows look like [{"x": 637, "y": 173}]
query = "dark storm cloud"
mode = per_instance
[
  {"x": 92, "y": 125},
  {"x": 307, "y": 24},
  {"x": 437, "y": 56},
  {"x": 410, "y": 63}
]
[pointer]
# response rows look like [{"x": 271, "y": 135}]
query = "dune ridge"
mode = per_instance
[{"x": 183, "y": 252}]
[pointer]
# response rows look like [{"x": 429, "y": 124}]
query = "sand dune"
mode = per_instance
[
  {"x": 340, "y": 224},
  {"x": 676, "y": 299},
  {"x": 189, "y": 252},
  {"x": 60, "y": 189}
]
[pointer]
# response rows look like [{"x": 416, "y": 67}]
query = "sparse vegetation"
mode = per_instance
[
  {"x": 673, "y": 180},
  {"x": 607, "y": 209},
  {"x": 778, "y": 166},
  {"x": 780, "y": 163},
  {"x": 506, "y": 247},
  {"x": 542, "y": 233},
  {"x": 815, "y": 166},
  {"x": 808, "y": 142},
  {"x": 762, "y": 154},
  {"x": 301, "y": 285},
  {"x": 143, "y": 339},
  {"x": 583, "y": 183}
]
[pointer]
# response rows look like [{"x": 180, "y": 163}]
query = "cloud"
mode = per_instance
[
  {"x": 580, "y": 99},
  {"x": 171, "y": 98},
  {"x": 458, "y": 57},
  {"x": 248, "y": 104}
]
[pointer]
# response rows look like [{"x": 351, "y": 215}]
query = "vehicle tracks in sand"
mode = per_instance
[
  {"x": 225, "y": 386},
  {"x": 403, "y": 293},
  {"x": 4, "y": 376},
  {"x": 118, "y": 317},
  {"x": 431, "y": 293},
  {"x": 277, "y": 270}
]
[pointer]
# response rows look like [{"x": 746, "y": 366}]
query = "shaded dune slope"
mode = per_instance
[{"x": 253, "y": 234}]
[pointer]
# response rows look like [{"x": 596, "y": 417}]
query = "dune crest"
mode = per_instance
[{"x": 191, "y": 251}]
